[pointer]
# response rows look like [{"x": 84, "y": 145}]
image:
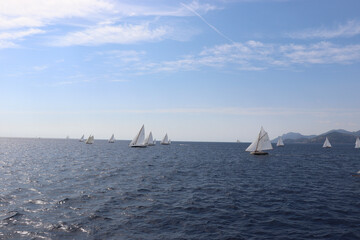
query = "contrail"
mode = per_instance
[{"x": 207, "y": 23}]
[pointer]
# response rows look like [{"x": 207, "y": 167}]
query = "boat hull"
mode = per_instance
[
  {"x": 165, "y": 143},
  {"x": 259, "y": 153},
  {"x": 138, "y": 146}
]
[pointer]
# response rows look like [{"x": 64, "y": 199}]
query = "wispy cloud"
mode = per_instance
[
  {"x": 121, "y": 34},
  {"x": 349, "y": 29},
  {"x": 36, "y": 13},
  {"x": 97, "y": 21},
  {"x": 40, "y": 68},
  {"x": 119, "y": 80},
  {"x": 9, "y": 39},
  {"x": 320, "y": 53},
  {"x": 257, "y": 56}
]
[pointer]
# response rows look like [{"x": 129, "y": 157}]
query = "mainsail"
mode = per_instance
[
  {"x": 262, "y": 142},
  {"x": 165, "y": 140},
  {"x": 327, "y": 143},
  {"x": 149, "y": 140},
  {"x": 81, "y": 139},
  {"x": 112, "y": 139},
  {"x": 357, "y": 143},
  {"x": 90, "y": 140},
  {"x": 138, "y": 140},
  {"x": 280, "y": 142}
]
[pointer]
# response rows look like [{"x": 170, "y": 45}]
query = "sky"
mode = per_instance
[{"x": 198, "y": 70}]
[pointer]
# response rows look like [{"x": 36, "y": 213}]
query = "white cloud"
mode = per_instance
[
  {"x": 108, "y": 17},
  {"x": 19, "y": 34},
  {"x": 8, "y": 39},
  {"x": 40, "y": 68},
  {"x": 36, "y": 13},
  {"x": 350, "y": 29},
  {"x": 321, "y": 53},
  {"x": 120, "y": 34},
  {"x": 257, "y": 56}
]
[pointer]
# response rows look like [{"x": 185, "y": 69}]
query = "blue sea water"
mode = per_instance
[{"x": 64, "y": 189}]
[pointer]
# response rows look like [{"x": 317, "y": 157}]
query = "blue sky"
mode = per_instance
[{"x": 199, "y": 70}]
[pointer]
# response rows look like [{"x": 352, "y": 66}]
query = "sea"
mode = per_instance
[{"x": 65, "y": 189}]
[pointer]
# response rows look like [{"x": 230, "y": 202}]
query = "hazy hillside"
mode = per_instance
[
  {"x": 335, "y": 136},
  {"x": 293, "y": 136}
]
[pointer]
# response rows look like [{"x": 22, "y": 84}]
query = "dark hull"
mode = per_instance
[{"x": 259, "y": 153}]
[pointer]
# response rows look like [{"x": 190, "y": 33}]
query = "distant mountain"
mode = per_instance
[
  {"x": 292, "y": 136},
  {"x": 343, "y": 131},
  {"x": 335, "y": 136}
]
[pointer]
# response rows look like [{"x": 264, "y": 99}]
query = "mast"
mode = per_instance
[
  {"x": 141, "y": 136},
  {"x": 257, "y": 144}
]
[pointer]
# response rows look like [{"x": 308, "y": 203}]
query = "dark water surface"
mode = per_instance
[{"x": 64, "y": 189}]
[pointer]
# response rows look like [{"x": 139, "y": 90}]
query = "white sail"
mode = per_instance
[
  {"x": 154, "y": 142},
  {"x": 90, "y": 140},
  {"x": 82, "y": 138},
  {"x": 262, "y": 142},
  {"x": 280, "y": 142},
  {"x": 138, "y": 140},
  {"x": 165, "y": 140},
  {"x": 357, "y": 143},
  {"x": 112, "y": 139},
  {"x": 327, "y": 143},
  {"x": 149, "y": 140}
]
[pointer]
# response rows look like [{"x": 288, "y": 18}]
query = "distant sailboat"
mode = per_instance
[
  {"x": 81, "y": 139},
  {"x": 327, "y": 143},
  {"x": 262, "y": 142},
  {"x": 357, "y": 143},
  {"x": 280, "y": 142},
  {"x": 112, "y": 139},
  {"x": 165, "y": 140},
  {"x": 154, "y": 142},
  {"x": 149, "y": 140},
  {"x": 138, "y": 140},
  {"x": 90, "y": 140}
]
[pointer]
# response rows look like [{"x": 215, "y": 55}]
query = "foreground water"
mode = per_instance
[{"x": 64, "y": 189}]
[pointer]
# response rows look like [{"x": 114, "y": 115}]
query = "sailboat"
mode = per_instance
[
  {"x": 327, "y": 143},
  {"x": 165, "y": 140},
  {"x": 149, "y": 140},
  {"x": 112, "y": 139},
  {"x": 280, "y": 142},
  {"x": 154, "y": 142},
  {"x": 262, "y": 142},
  {"x": 357, "y": 143},
  {"x": 82, "y": 138},
  {"x": 138, "y": 140},
  {"x": 90, "y": 140}
]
